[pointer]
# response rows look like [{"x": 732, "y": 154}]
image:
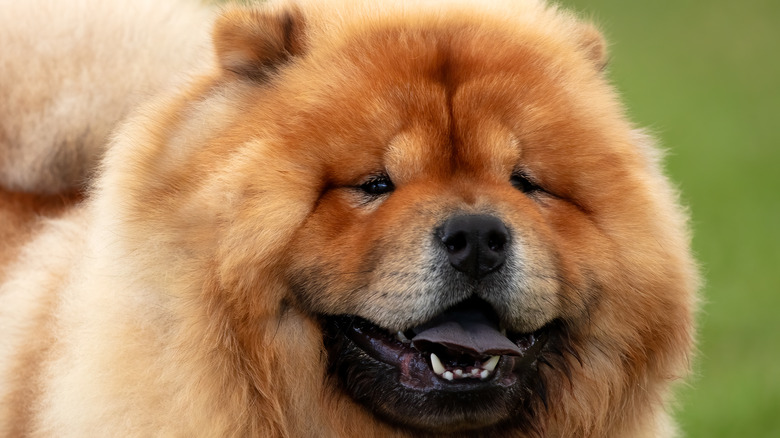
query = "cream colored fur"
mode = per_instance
[{"x": 70, "y": 70}]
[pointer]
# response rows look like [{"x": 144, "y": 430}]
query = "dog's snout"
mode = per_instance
[{"x": 475, "y": 244}]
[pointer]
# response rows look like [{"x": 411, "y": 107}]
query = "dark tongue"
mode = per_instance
[{"x": 466, "y": 331}]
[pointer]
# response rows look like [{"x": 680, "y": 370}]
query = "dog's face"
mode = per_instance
[
  {"x": 432, "y": 255},
  {"x": 461, "y": 229},
  {"x": 460, "y": 210}
]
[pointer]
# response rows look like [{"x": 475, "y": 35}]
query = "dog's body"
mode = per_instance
[{"x": 255, "y": 236}]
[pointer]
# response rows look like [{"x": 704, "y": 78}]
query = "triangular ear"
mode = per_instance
[
  {"x": 593, "y": 44},
  {"x": 253, "y": 43}
]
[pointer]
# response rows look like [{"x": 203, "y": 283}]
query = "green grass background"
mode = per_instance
[{"x": 704, "y": 77}]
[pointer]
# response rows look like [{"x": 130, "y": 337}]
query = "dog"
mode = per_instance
[{"x": 343, "y": 218}]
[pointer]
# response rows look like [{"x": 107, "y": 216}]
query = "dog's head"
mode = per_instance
[{"x": 451, "y": 203}]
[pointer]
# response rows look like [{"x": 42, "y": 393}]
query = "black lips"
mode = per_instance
[{"x": 456, "y": 372}]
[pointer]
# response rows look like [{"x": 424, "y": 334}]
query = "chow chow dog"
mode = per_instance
[{"x": 352, "y": 218}]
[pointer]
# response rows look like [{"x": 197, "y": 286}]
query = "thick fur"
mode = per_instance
[
  {"x": 182, "y": 297},
  {"x": 71, "y": 72}
]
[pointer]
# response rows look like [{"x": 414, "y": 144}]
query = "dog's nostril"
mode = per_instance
[
  {"x": 496, "y": 241},
  {"x": 475, "y": 243},
  {"x": 456, "y": 242}
]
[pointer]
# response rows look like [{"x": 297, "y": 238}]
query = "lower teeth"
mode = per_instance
[{"x": 477, "y": 372}]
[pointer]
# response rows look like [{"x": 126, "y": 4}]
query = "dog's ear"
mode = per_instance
[
  {"x": 593, "y": 44},
  {"x": 253, "y": 43}
]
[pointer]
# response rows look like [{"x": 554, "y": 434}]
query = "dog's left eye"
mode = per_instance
[
  {"x": 523, "y": 183},
  {"x": 378, "y": 185}
]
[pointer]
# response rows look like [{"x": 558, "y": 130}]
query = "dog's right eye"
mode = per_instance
[{"x": 377, "y": 186}]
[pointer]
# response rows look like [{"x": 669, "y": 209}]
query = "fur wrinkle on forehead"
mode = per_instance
[{"x": 329, "y": 24}]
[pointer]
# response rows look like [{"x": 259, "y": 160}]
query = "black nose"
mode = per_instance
[{"x": 475, "y": 243}]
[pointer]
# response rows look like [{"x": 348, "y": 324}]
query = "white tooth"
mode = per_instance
[
  {"x": 438, "y": 368},
  {"x": 475, "y": 372},
  {"x": 448, "y": 375},
  {"x": 458, "y": 372},
  {"x": 484, "y": 374},
  {"x": 401, "y": 337},
  {"x": 491, "y": 363}
]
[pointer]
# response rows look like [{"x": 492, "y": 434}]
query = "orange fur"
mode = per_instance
[{"x": 184, "y": 297}]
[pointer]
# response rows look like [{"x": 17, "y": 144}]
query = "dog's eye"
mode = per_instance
[
  {"x": 378, "y": 185},
  {"x": 524, "y": 183}
]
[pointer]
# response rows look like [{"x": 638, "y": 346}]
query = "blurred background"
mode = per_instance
[{"x": 704, "y": 77}]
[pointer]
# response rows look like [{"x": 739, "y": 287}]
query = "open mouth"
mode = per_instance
[{"x": 460, "y": 370}]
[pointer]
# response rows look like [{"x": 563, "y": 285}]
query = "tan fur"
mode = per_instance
[{"x": 181, "y": 298}]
